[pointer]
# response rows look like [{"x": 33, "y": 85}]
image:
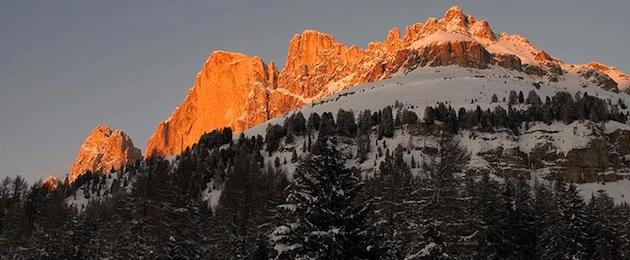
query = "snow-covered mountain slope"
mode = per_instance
[
  {"x": 574, "y": 150},
  {"x": 460, "y": 87},
  {"x": 457, "y": 60},
  {"x": 98, "y": 189},
  {"x": 468, "y": 88}
]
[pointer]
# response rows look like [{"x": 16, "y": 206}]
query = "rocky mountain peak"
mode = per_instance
[
  {"x": 622, "y": 79},
  {"x": 305, "y": 48},
  {"x": 238, "y": 91},
  {"x": 481, "y": 30},
  {"x": 230, "y": 90},
  {"x": 455, "y": 21},
  {"x": 393, "y": 41},
  {"x": 103, "y": 150}
]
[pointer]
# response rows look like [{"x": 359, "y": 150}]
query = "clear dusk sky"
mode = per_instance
[{"x": 66, "y": 66}]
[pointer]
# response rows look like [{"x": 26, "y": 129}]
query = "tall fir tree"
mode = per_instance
[
  {"x": 565, "y": 234},
  {"x": 605, "y": 234},
  {"x": 393, "y": 206},
  {"x": 322, "y": 219},
  {"x": 441, "y": 218}
]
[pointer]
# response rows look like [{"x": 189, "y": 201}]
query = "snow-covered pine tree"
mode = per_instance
[
  {"x": 364, "y": 124},
  {"x": 313, "y": 122},
  {"x": 440, "y": 218},
  {"x": 623, "y": 211},
  {"x": 393, "y": 206},
  {"x": 513, "y": 98},
  {"x": 605, "y": 236},
  {"x": 488, "y": 219},
  {"x": 520, "y": 231},
  {"x": 346, "y": 125},
  {"x": 386, "y": 125},
  {"x": 542, "y": 207},
  {"x": 565, "y": 235},
  {"x": 241, "y": 210},
  {"x": 363, "y": 147},
  {"x": 322, "y": 220}
]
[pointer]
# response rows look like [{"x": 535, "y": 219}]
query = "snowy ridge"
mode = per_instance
[
  {"x": 468, "y": 88},
  {"x": 439, "y": 38},
  {"x": 453, "y": 84}
]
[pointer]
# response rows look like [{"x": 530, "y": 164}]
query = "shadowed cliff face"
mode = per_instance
[
  {"x": 239, "y": 91},
  {"x": 103, "y": 150}
]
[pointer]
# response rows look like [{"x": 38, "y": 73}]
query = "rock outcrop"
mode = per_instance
[
  {"x": 622, "y": 79},
  {"x": 230, "y": 90},
  {"x": 582, "y": 152},
  {"x": 599, "y": 78},
  {"x": 239, "y": 91},
  {"x": 463, "y": 53},
  {"x": 103, "y": 150}
]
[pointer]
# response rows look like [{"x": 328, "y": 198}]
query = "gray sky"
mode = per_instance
[{"x": 66, "y": 66}]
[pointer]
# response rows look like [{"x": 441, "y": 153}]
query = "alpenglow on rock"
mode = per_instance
[
  {"x": 231, "y": 89},
  {"x": 238, "y": 91},
  {"x": 103, "y": 150}
]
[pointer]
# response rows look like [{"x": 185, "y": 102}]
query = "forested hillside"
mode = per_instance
[{"x": 377, "y": 185}]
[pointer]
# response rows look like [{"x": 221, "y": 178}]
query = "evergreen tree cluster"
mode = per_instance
[
  {"x": 158, "y": 208},
  {"x": 561, "y": 107}
]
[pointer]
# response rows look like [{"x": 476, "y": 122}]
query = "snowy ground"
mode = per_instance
[{"x": 79, "y": 200}]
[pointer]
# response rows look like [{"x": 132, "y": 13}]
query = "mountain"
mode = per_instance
[
  {"x": 230, "y": 89},
  {"x": 596, "y": 155},
  {"x": 239, "y": 91},
  {"x": 489, "y": 122},
  {"x": 104, "y": 149}
]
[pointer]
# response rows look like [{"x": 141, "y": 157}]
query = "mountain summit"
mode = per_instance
[
  {"x": 238, "y": 91},
  {"x": 103, "y": 150}
]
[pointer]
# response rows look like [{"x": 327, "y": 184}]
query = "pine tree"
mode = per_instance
[
  {"x": 392, "y": 207},
  {"x": 533, "y": 99},
  {"x": 520, "y": 229},
  {"x": 623, "y": 211},
  {"x": 386, "y": 126},
  {"x": 513, "y": 98},
  {"x": 298, "y": 123},
  {"x": 565, "y": 233},
  {"x": 313, "y": 122},
  {"x": 365, "y": 123},
  {"x": 272, "y": 138},
  {"x": 441, "y": 218},
  {"x": 327, "y": 126},
  {"x": 346, "y": 125},
  {"x": 489, "y": 218},
  {"x": 605, "y": 237},
  {"x": 322, "y": 220},
  {"x": 289, "y": 139},
  {"x": 236, "y": 232},
  {"x": 409, "y": 117},
  {"x": 363, "y": 147}
]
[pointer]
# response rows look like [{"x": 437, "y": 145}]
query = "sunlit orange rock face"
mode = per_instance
[
  {"x": 239, "y": 91},
  {"x": 103, "y": 150},
  {"x": 622, "y": 79},
  {"x": 231, "y": 89}
]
